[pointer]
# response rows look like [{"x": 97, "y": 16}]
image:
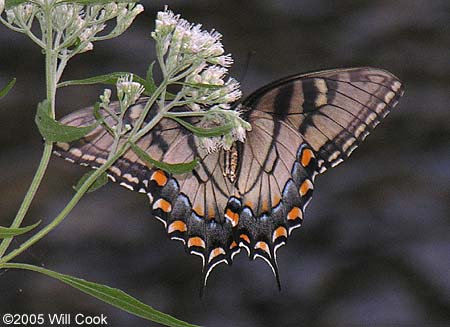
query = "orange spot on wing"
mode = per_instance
[
  {"x": 265, "y": 205},
  {"x": 199, "y": 211},
  {"x": 307, "y": 155},
  {"x": 305, "y": 187},
  {"x": 276, "y": 201},
  {"x": 263, "y": 246},
  {"x": 196, "y": 241},
  {"x": 215, "y": 253},
  {"x": 177, "y": 226},
  {"x": 162, "y": 204},
  {"x": 233, "y": 217},
  {"x": 233, "y": 245},
  {"x": 159, "y": 177},
  {"x": 244, "y": 237},
  {"x": 211, "y": 212},
  {"x": 294, "y": 213},
  {"x": 279, "y": 232}
]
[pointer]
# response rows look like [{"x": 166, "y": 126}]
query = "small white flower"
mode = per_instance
[
  {"x": 213, "y": 75},
  {"x": 232, "y": 96},
  {"x": 165, "y": 23},
  {"x": 203, "y": 43},
  {"x": 128, "y": 90},
  {"x": 87, "y": 33},
  {"x": 105, "y": 98},
  {"x": 180, "y": 33},
  {"x": 216, "y": 49},
  {"x": 225, "y": 61},
  {"x": 89, "y": 46},
  {"x": 231, "y": 91}
]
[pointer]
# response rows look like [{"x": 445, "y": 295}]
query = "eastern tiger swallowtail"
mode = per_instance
[{"x": 254, "y": 195}]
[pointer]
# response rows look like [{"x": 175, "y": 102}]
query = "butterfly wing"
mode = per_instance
[{"x": 302, "y": 125}]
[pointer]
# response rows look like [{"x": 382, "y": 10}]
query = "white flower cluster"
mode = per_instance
[
  {"x": 209, "y": 88},
  {"x": 75, "y": 25},
  {"x": 195, "y": 58},
  {"x": 185, "y": 43}
]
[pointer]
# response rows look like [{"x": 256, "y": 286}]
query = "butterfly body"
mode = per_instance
[{"x": 254, "y": 195}]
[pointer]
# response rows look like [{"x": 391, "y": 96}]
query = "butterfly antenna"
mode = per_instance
[{"x": 250, "y": 54}]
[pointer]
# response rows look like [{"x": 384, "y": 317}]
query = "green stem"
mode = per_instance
[
  {"x": 186, "y": 114},
  {"x": 83, "y": 189},
  {"x": 137, "y": 129},
  {"x": 50, "y": 63},
  {"x": 29, "y": 196}
]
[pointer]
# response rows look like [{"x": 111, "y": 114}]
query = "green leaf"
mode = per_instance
[
  {"x": 99, "y": 182},
  {"x": 149, "y": 85},
  {"x": 13, "y": 3},
  {"x": 7, "y": 88},
  {"x": 110, "y": 79},
  {"x": 112, "y": 296},
  {"x": 95, "y": 2},
  {"x": 179, "y": 168},
  {"x": 54, "y": 131},
  {"x": 10, "y": 232},
  {"x": 204, "y": 132},
  {"x": 98, "y": 117}
]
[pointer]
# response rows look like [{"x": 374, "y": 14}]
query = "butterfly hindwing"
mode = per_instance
[{"x": 301, "y": 126}]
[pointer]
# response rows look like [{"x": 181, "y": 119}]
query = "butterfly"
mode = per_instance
[{"x": 254, "y": 195}]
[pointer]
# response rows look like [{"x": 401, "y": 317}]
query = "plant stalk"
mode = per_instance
[
  {"x": 51, "y": 62},
  {"x": 85, "y": 187}
]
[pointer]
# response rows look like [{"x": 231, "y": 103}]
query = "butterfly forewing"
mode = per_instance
[
  {"x": 301, "y": 126},
  {"x": 333, "y": 110}
]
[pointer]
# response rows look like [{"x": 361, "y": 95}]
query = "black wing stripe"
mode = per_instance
[
  {"x": 363, "y": 90},
  {"x": 292, "y": 151},
  {"x": 284, "y": 146}
]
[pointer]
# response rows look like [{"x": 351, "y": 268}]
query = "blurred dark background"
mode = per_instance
[{"x": 375, "y": 246}]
